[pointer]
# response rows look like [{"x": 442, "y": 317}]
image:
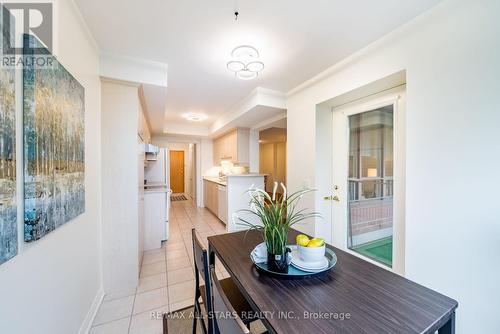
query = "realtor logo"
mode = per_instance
[{"x": 20, "y": 18}]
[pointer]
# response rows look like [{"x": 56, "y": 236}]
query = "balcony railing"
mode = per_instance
[{"x": 370, "y": 209}]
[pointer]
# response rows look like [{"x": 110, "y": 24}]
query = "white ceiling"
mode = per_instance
[{"x": 296, "y": 39}]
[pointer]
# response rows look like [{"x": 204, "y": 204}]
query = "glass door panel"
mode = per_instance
[{"x": 370, "y": 183}]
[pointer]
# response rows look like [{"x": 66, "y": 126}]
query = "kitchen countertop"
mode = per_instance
[
  {"x": 155, "y": 187},
  {"x": 215, "y": 179},
  {"x": 246, "y": 175},
  {"x": 218, "y": 180},
  {"x": 156, "y": 190}
]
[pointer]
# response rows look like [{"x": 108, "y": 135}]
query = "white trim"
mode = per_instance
[
  {"x": 133, "y": 69},
  {"x": 89, "y": 318},
  {"x": 387, "y": 97},
  {"x": 367, "y": 259},
  {"x": 393, "y": 97},
  {"x": 370, "y": 236},
  {"x": 119, "y": 81},
  {"x": 369, "y": 106},
  {"x": 264, "y": 124},
  {"x": 85, "y": 26},
  {"x": 159, "y": 66},
  {"x": 399, "y": 191}
]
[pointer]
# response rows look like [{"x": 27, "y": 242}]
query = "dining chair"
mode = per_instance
[
  {"x": 165, "y": 324},
  {"x": 201, "y": 291},
  {"x": 204, "y": 314},
  {"x": 222, "y": 307},
  {"x": 178, "y": 322}
]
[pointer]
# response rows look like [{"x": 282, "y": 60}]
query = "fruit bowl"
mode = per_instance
[
  {"x": 295, "y": 271},
  {"x": 311, "y": 254}
]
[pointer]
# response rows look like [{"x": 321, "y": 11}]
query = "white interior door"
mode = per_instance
[{"x": 368, "y": 175}]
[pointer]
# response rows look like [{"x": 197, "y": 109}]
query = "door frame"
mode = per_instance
[{"x": 396, "y": 97}]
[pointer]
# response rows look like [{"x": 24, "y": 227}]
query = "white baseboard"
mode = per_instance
[{"x": 89, "y": 318}]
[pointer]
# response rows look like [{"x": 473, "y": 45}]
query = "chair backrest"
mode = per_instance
[
  {"x": 226, "y": 318},
  {"x": 201, "y": 269},
  {"x": 200, "y": 257},
  {"x": 165, "y": 323}
]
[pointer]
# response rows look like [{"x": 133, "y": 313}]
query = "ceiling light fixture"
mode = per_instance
[
  {"x": 245, "y": 62},
  {"x": 195, "y": 117}
]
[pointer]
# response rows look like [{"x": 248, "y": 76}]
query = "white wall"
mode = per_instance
[
  {"x": 253, "y": 150},
  {"x": 451, "y": 56},
  {"x": 120, "y": 192},
  {"x": 206, "y": 162},
  {"x": 323, "y": 170},
  {"x": 52, "y": 283},
  {"x": 192, "y": 170}
]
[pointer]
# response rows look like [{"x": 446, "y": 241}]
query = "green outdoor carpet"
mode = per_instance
[{"x": 378, "y": 250}]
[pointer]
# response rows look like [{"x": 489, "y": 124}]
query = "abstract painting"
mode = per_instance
[
  {"x": 8, "y": 209},
  {"x": 54, "y": 147}
]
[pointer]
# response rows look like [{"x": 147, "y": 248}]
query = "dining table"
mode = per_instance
[{"x": 355, "y": 296}]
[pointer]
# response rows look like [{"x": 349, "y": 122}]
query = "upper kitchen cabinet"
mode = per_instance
[{"x": 233, "y": 146}]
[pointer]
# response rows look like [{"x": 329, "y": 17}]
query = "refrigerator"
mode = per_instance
[
  {"x": 156, "y": 176},
  {"x": 155, "y": 171}
]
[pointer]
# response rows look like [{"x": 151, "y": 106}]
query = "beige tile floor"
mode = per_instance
[{"x": 166, "y": 281}]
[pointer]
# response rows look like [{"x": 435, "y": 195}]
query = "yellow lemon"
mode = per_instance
[
  {"x": 302, "y": 240},
  {"x": 316, "y": 242}
]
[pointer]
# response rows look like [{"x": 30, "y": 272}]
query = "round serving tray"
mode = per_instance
[{"x": 294, "y": 273}]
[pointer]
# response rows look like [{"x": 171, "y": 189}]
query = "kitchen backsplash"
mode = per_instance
[{"x": 227, "y": 168}]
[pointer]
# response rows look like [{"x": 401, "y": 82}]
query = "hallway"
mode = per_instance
[{"x": 166, "y": 280}]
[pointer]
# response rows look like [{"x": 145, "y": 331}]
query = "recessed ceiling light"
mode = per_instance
[{"x": 195, "y": 117}]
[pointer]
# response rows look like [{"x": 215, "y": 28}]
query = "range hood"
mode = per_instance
[
  {"x": 151, "y": 152},
  {"x": 151, "y": 149}
]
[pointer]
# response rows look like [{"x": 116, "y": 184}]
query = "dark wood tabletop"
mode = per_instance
[{"x": 354, "y": 297}]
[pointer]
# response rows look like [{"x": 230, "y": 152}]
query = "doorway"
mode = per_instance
[
  {"x": 176, "y": 171},
  {"x": 368, "y": 178},
  {"x": 183, "y": 169},
  {"x": 272, "y": 157}
]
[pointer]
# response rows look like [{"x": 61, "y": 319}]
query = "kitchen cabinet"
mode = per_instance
[
  {"x": 211, "y": 196},
  {"x": 233, "y": 146},
  {"x": 215, "y": 199},
  {"x": 155, "y": 217},
  {"x": 227, "y": 198},
  {"x": 222, "y": 203},
  {"x": 140, "y": 179}
]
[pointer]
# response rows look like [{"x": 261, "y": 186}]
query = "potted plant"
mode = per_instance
[{"x": 277, "y": 213}]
